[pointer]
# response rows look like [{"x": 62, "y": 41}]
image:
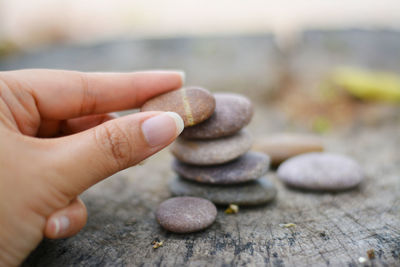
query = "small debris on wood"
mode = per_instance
[
  {"x": 157, "y": 243},
  {"x": 232, "y": 209},
  {"x": 131, "y": 222},
  {"x": 371, "y": 254},
  {"x": 362, "y": 259},
  {"x": 324, "y": 236},
  {"x": 287, "y": 225}
]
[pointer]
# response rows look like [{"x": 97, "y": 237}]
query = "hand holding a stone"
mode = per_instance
[{"x": 57, "y": 138}]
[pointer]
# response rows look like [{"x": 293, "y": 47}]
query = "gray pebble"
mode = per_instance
[
  {"x": 186, "y": 214},
  {"x": 232, "y": 113},
  {"x": 321, "y": 171},
  {"x": 211, "y": 152},
  {"x": 249, "y": 166},
  {"x": 255, "y": 192}
]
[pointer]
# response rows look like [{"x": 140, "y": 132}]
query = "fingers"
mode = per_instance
[
  {"x": 84, "y": 123},
  {"x": 86, "y": 158},
  {"x": 49, "y": 128},
  {"x": 62, "y": 95},
  {"x": 52, "y": 128},
  {"x": 67, "y": 221}
]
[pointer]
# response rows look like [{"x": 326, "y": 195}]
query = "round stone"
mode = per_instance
[
  {"x": 193, "y": 104},
  {"x": 321, "y": 171},
  {"x": 280, "y": 147},
  {"x": 232, "y": 113},
  {"x": 213, "y": 151},
  {"x": 186, "y": 214},
  {"x": 250, "y": 166},
  {"x": 255, "y": 192}
]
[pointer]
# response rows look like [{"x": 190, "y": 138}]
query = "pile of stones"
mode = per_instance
[
  {"x": 213, "y": 158},
  {"x": 214, "y": 164},
  {"x": 213, "y": 161}
]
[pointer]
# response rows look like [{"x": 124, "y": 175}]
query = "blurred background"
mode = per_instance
[{"x": 318, "y": 65}]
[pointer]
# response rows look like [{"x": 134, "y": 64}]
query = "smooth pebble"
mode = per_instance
[
  {"x": 193, "y": 104},
  {"x": 232, "y": 113},
  {"x": 321, "y": 171},
  {"x": 213, "y": 151},
  {"x": 186, "y": 214},
  {"x": 256, "y": 192},
  {"x": 280, "y": 147},
  {"x": 249, "y": 166}
]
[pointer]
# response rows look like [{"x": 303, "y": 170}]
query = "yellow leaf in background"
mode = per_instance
[
  {"x": 368, "y": 85},
  {"x": 321, "y": 125}
]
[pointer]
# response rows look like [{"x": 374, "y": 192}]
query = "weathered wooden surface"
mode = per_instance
[{"x": 331, "y": 228}]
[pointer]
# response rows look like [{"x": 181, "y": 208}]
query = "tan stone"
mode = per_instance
[
  {"x": 280, "y": 147},
  {"x": 193, "y": 104}
]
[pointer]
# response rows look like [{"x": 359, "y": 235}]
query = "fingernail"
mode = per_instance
[
  {"x": 183, "y": 76},
  {"x": 160, "y": 129},
  {"x": 61, "y": 224}
]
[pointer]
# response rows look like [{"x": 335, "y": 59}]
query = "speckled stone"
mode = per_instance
[
  {"x": 321, "y": 171},
  {"x": 193, "y": 104},
  {"x": 213, "y": 151},
  {"x": 250, "y": 166},
  {"x": 280, "y": 147},
  {"x": 255, "y": 192},
  {"x": 232, "y": 113},
  {"x": 186, "y": 214}
]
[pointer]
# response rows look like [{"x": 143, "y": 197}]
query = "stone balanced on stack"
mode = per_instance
[{"x": 213, "y": 161}]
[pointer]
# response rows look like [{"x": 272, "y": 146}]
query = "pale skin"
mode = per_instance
[{"x": 58, "y": 138}]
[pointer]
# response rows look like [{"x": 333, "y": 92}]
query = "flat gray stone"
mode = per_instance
[
  {"x": 321, "y": 171},
  {"x": 213, "y": 151},
  {"x": 186, "y": 214},
  {"x": 249, "y": 166},
  {"x": 232, "y": 113},
  {"x": 256, "y": 192}
]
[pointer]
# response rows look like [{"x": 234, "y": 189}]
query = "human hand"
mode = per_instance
[{"x": 41, "y": 178}]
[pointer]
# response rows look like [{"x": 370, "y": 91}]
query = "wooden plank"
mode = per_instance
[{"x": 331, "y": 228}]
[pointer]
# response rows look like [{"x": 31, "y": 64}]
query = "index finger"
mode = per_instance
[{"x": 61, "y": 94}]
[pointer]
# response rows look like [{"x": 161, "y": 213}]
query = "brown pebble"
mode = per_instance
[
  {"x": 193, "y": 104},
  {"x": 280, "y": 147},
  {"x": 186, "y": 214}
]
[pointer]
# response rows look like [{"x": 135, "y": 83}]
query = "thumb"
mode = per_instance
[{"x": 88, "y": 157}]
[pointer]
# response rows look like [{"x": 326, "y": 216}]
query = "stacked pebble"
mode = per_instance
[
  {"x": 213, "y": 161},
  {"x": 185, "y": 214}
]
